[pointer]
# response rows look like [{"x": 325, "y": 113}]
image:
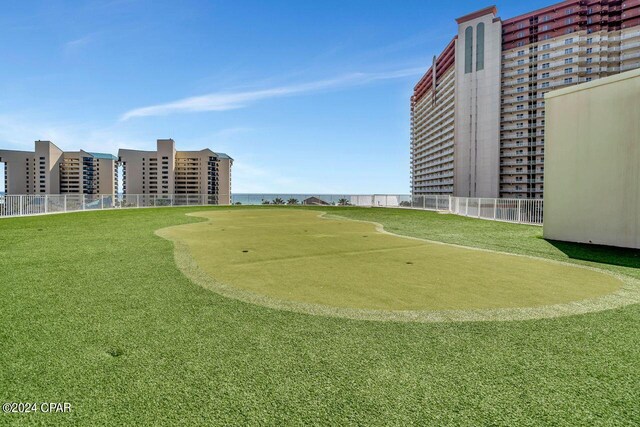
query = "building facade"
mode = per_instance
[
  {"x": 168, "y": 171},
  {"x": 477, "y": 115},
  {"x": 49, "y": 170}
]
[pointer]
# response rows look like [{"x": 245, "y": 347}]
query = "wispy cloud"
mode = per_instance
[
  {"x": 223, "y": 101},
  {"x": 19, "y": 133},
  {"x": 79, "y": 43}
]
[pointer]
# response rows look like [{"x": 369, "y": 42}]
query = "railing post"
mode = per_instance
[
  {"x": 46, "y": 203},
  {"x": 479, "y": 206},
  {"x": 137, "y": 200},
  {"x": 65, "y": 203},
  {"x": 171, "y": 200},
  {"x": 20, "y": 206},
  {"x": 495, "y": 208},
  {"x": 83, "y": 207},
  {"x": 466, "y": 209},
  {"x": 519, "y": 206},
  {"x": 101, "y": 202}
]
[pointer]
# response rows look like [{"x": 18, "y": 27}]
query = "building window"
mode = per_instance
[
  {"x": 589, "y": 60},
  {"x": 568, "y": 80},
  {"x": 546, "y": 46},
  {"x": 520, "y": 89},
  {"x": 589, "y": 50},
  {"x": 468, "y": 50},
  {"x": 521, "y": 53},
  {"x": 545, "y": 65},
  {"x": 480, "y": 47},
  {"x": 568, "y": 41},
  {"x": 568, "y": 70},
  {"x": 568, "y": 51},
  {"x": 544, "y": 84},
  {"x": 545, "y": 75},
  {"x": 521, "y": 71},
  {"x": 521, "y": 80},
  {"x": 521, "y": 62},
  {"x": 590, "y": 40},
  {"x": 568, "y": 61}
]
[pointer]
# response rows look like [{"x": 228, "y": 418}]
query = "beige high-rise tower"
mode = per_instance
[
  {"x": 168, "y": 171},
  {"x": 49, "y": 170}
]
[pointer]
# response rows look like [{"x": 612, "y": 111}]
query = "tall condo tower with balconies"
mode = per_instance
[
  {"x": 477, "y": 115},
  {"x": 168, "y": 171},
  {"x": 49, "y": 170}
]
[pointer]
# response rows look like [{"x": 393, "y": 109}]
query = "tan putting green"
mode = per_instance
[{"x": 299, "y": 257}]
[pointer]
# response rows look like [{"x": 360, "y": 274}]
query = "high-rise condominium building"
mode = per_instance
[
  {"x": 167, "y": 171},
  {"x": 49, "y": 170},
  {"x": 477, "y": 115}
]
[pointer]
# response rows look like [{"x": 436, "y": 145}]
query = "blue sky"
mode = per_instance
[{"x": 305, "y": 96}]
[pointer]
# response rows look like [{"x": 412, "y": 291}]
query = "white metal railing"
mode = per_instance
[
  {"x": 524, "y": 211},
  {"x": 23, "y": 205}
]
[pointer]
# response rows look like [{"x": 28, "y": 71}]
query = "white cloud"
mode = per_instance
[
  {"x": 79, "y": 43},
  {"x": 19, "y": 133},
  {"x": 222, "y": 101}
]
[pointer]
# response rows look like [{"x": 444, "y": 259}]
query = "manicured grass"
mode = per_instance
[
  {"x": 295, "y": 255},
  {"x": 95, "y": 312}
]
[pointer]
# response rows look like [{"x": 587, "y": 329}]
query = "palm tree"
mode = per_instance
[
  {"x": 292, "y": 201},
  {"x": 266, "y": 202},
  {"x": 278, "y": 201},
  {"x": 344, "y": 202}
]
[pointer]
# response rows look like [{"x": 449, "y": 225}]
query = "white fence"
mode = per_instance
[
  {"x": 525, "y": 211},
  {"x": 23, "y": 205}
]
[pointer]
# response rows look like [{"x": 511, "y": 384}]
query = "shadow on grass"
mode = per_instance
[{"x": 596, "y": 253}]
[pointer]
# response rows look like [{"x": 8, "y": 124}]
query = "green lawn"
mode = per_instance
[{"x": 94, "y": 312}]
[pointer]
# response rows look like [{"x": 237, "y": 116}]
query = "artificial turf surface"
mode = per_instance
[
  {"x": 94, "y": 312},
  {"x": 296, "y": 255}
]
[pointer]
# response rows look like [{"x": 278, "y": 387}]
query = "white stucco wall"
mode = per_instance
[
  {"x": 592, "y": 162},
  {"x": 477, "y": 113}
]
